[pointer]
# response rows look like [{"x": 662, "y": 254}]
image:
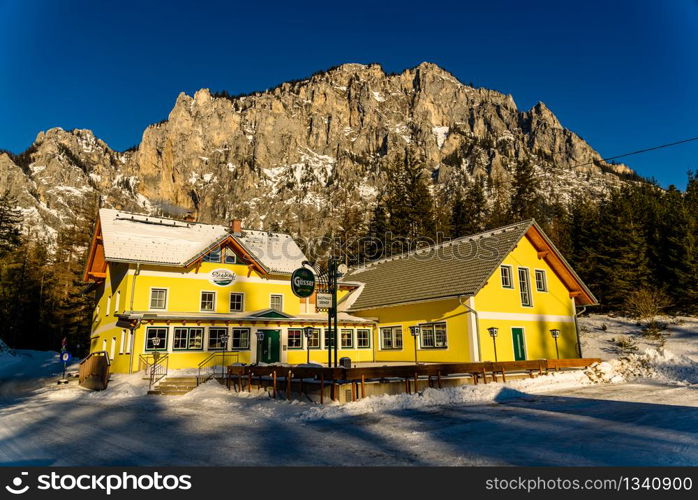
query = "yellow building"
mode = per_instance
[
  {"x": 199, "y": 292},
  {"x": 512, "y": 279},
  {"x": 196, "y": 291}
]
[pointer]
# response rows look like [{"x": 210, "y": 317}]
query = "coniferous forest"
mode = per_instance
[{"x": 639, "y": 238}]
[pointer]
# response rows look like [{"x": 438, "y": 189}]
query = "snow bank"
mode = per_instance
[{"x": 664, "y": 367}]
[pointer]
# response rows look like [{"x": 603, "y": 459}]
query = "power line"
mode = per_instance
[{"x": 641, "y": 151}]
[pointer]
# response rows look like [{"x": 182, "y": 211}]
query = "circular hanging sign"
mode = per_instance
[
  {"x": 302, "y": 282},
  {"x": 66, "y": 357},
  {"x": 221, "y": 277}
]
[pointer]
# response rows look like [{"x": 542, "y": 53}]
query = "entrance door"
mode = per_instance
[
  {"x": 270, "y": 346},
  {"x": 519, "y": 348}
]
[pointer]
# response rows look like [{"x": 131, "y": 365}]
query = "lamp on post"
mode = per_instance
[
  {"x": 308, "y": 332},
  {"x": 414, "y": 330},
  {"x": 493, "y": 333},
  {"x": 556, "y": 333}
]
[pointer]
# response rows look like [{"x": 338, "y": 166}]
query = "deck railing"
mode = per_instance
[
  {"x": 94, "y": 371},
  {"x": 215, "y": 365}
]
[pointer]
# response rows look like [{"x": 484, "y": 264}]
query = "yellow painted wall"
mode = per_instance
[
  {"x": 551, "y": 309},
  {"x": 448, "y": 310}
]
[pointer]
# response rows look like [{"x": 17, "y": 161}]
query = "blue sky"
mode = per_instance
[{"x": 623, "y": 75}]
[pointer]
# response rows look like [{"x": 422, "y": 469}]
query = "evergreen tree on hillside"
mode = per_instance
[
  {"x": 620, "y": 251},
  {"x": 525, "y": 199},
  {"x": 10, "y": 221},
  {"x": 378, "y": 229},
  {"x": 469, "y": 212}
]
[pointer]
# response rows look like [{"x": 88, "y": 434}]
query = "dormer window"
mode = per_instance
[
  {"x": 213, "y": 256},
  {"x": 229, "y": 256}
]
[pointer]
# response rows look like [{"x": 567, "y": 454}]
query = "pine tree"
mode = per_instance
[
  {"x": 469, "y": 212},
  {"x": 525, "y": 200},
  {"x": 10, "y": 221}
]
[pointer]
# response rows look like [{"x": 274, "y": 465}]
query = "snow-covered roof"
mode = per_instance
[{"x": 131, "y": 237}]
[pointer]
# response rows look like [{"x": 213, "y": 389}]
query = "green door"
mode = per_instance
[
  {"x": 519, "y": 349},
  {"x": 269, "y": 346}
]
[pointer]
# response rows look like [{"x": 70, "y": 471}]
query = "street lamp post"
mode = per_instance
[
  {"x": 556, "y": 333},
  {"x": 493, "y": 333},
  {"x": 308, "y": 331},
  {"x": 414, "y": 330}
]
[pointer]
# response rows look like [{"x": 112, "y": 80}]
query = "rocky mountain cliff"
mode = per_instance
[{"x": 300, "y": 155}]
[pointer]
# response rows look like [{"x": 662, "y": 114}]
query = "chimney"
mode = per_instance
[{"x": 236, "y": 226}]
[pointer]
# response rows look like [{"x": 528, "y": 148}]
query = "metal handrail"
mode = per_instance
[
  {"x": 200, "y": 379},
  {"x": 158, "y": 369}
]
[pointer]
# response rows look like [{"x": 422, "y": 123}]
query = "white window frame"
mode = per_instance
[
  {"x": 529, "y": 292},
  {"x": 368, "y": 331},
  {"x": 117, "y": 303},
  {"x": 425, "y": 326},
  {"x": 351, "y": 338},
  {"x": 129, "y": 340},
  {"x": 393, "y": 338},
  {"x": 201, "y": 301},
  {"x": 271, "y": 296},
  {"x": 317, "y": 332},
  {"x": 108, "y": 305},
  {"x": 112, "y": 349},
  {"x": 121, "y": 343},
  {"x": 541, "y": 272},
  {"x": 187, "y": 338},
  {"x": 325, "y": 332},
  {"x": 301, "y": 335},
  {"x": 511, "y": 276},
  {"x": 225, "y": 253},
  {"x": 104, "y": 345},
  {"x": 242, "y": 301},
  {"x": 150, "y": 298}
]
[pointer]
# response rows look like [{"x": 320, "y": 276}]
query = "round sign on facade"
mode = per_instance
[
  {"x": 302, "y": 282},
  {"x": 221, "y": 277}
]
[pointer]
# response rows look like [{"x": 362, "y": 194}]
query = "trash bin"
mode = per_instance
[{"x": 345, "y": 362}]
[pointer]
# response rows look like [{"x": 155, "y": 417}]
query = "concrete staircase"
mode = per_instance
[{"x": 173, "y": 386}]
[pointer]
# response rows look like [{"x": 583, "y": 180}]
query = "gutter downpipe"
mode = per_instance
[
  {"x": 576, "y": 329},
  {"x": 130, "y": 308},
  {"x": 477, "y": 323}
]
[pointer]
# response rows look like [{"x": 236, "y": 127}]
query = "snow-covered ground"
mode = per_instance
[{"x": 639, "y": 408}]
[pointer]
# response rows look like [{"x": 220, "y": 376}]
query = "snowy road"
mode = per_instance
[{"x": 618, "y": 424}]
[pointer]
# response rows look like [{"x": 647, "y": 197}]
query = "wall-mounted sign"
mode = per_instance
[
  {"x": 222, "y": 277},
  {"x": 324, "y": 301},
  {"x": 302, "y": 282}
]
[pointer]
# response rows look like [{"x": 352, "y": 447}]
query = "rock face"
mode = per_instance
[{"x": 299, "y": 156}]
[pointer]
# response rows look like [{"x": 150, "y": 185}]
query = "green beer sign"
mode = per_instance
[{"x": 302, "y": 282}]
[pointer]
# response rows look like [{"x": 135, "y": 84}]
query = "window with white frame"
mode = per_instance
[
  {"x": 217, "y": 339},
  {"x": 156, "y": 339},
  {"x": 117, "y": 304},
  {"x": 237, "y": 301},
  {"x": 541, "y": 281},
  {"x": 129, "y": 339},
  {"x": 507, "y": 281},
  {"x": 213, "y": 256},
  {"x": 112, "y": 351},
  {"x": 347, "y": 339},
  {"x": 158, "y": 298},
  {"x": 314, "y": 339},
  {"x": 276, "y": 302},
  {"x": 240, "y": 338},
  {"x": 229, "y": 256},
  {"x": 295, "y": 338},
  {"x": 525, "y": 287},
  {"x": 108, "y": 305},
  {"x": 433, "y": 335},
  {"x": 208, "y": 301},
  {"x": 188, "y": 339},
  {"x": 391, "y": 337},
  {"x": 121, "y": 342},
  {"x": 363, "y": 338}
]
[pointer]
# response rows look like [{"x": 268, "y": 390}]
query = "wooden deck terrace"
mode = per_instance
[{"x": 329, "y": 381}]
